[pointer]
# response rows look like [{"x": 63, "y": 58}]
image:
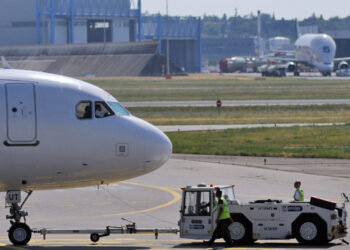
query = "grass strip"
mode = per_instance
[
  {"x": 244, "y": 115},
  {"x": 309, "y": 142},
  {"x": 204, "y": 87}
]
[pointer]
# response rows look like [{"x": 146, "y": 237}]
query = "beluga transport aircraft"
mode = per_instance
[
  {"x": 313, "y": 50},
  {"x": 58, "y": 132},
  {"x": 317, "y": 50}
]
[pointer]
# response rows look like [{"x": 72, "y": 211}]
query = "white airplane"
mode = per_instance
[
  {"x": 59, "y": 132},
  {"x": 316, "y": 50},
  {"x": 313, "y": 50}
]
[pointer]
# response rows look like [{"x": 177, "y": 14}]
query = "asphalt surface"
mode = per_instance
[
  {"x": 316, "y": 166},
  {"x": 153, "y": 200},
  {"x": 184, "y": 128},
  {"x": 303, "y": 75},
  {"x": 230, "y": 103}
]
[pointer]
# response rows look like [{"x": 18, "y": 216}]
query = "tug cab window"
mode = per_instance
[
  {"x": 228, "y": 193},
  {"x": 197, "y": 204},
  {"x": 84, "y": 110},
  {"x": 102, "y": 110}
]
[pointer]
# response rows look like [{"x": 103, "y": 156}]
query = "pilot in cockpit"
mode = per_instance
[
  {"x": 98, "y": 111},
  {"x": 87, "y": 113}
]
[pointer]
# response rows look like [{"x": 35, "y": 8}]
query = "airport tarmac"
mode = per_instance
[
  {"x": 184, "y": 128},
  {"x": 230, "y": 103},
  {"x": 153, "y": 200},
  {"x": 303, "y": 75}
]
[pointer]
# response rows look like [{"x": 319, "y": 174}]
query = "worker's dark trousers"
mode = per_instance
[{"x": 222, "y": 231}]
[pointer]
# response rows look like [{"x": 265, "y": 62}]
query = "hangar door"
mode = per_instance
[
  {"x": 99, "y": 31},
  {"x": 21, "y": 112}
]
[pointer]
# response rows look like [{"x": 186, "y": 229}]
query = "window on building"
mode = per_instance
[{"x": 101, "y": 25}]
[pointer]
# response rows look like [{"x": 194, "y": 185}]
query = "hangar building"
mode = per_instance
[
  {"x": 62, "y": 22},
  {"x": 342, "y": 40},
  {"x": 27, "y": 22}
]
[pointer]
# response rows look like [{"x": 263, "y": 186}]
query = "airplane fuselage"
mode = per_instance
[
  {"x": 48, "y": 143},
  {"x": 316, "y": 50}
]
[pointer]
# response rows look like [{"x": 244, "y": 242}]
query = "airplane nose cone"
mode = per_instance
[{"x": 158, "y": 148}]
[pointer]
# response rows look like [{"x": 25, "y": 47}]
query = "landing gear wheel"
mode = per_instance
[
  {"x": 94, "y": 237},
  {"x": 20, "y": 234},
  {"x": 240, "y": 231},
  {"x": 310, "y": 232}
]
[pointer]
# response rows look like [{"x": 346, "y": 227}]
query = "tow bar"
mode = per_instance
[{"x": 96, "y": 234}]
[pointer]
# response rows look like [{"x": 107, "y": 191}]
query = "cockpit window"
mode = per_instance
[
  {"x": 84, "y": 110},
  {"x": 102, "y": 110},
  {"x": 118, "y": 108}
]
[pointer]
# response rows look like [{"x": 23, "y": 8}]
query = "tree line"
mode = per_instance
[{"x": 246, "y": 26}]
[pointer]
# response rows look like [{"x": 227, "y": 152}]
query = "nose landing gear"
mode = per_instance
[{"x": 19, "y": 233}]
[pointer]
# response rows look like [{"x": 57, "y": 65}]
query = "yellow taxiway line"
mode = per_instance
[
  {"x": 3, "y": 245},
  {"x": 175, "y": 198}
]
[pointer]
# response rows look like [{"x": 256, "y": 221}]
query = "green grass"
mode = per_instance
[
  {"x": 211, "y": 87},
  {"x": 244, "y": 115},
  {"x": 327, "y": 142},
  {"x": 310, "y": 142}
]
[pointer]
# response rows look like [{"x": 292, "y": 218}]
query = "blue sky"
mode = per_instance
[{"x": 281, "y": 8}]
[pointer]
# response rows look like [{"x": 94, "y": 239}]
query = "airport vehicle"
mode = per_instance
[
  {"x": 276, "y": 70},
  {"x": 59, "y": 132},
  {"x": 240, "y": 64},
  {"x": 314, "y": 222},
  {"x": 234, "y": 64}
]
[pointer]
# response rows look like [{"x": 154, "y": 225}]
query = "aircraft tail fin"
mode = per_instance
[{"x": 5, "y": 64}]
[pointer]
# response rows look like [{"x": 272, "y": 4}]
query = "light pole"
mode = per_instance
[
  {"x": 260, "y": 49},
  {"x": 168, "y": 75}
]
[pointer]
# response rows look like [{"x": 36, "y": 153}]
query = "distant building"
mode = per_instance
[
  {"x": 30, "y": 22},
  {"x": 18, "y": 22},
  {"x": 342, "y": 40},
  {"x": 184, "y": 34},
  {"x": 307, "y": 29},
  {"x": 219, "y": 48},
  {"x": 279, "y": 43}
]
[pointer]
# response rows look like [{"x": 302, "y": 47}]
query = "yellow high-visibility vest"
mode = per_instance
[
  {"x": 225, "y": 213},
  {"x": 301, "y": 194}
]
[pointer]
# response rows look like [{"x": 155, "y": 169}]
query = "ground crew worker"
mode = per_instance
[
  {"x": 299, "y": 193},
  {"x": 223, "y": 220}
]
